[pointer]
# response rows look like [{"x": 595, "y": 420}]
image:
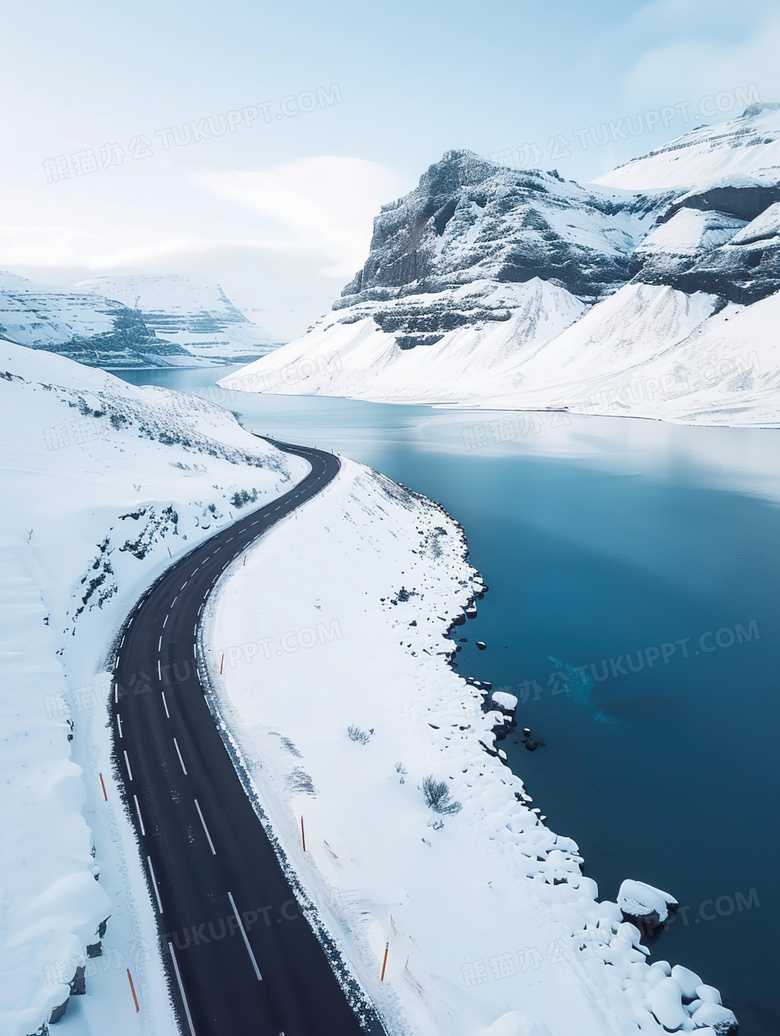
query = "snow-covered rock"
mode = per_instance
[
  {"x": 666, "y": 1004},
  {"x": 717, "y": 1017},
  {"x": 504, "y": 701},
  {"x": 708, "y": 993},
  {"x": 647, "y": 904},
  {"x": 687, "y": 980}
]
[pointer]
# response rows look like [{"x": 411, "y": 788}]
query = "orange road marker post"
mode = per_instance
[
  {"x": 103, "y": 786},
  {"x": 384, "y": 962},
  {"x": 132, "y": 990},
  {"x": 303, "y": 835}
]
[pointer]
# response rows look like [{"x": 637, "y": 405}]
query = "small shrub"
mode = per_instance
[
  {"x": 356, "y": 734},
  {"x": 437, "y": 795}
]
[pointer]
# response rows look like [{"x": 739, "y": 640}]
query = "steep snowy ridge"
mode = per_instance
[
  {"x": 647, "y": 289},
  {"x": 746, "y": 146}
]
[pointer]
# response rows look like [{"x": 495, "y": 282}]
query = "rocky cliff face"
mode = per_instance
[{"x": 470, "y": 222}]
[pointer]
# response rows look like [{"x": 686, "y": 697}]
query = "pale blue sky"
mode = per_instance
[{"x": 280, "y": 211}]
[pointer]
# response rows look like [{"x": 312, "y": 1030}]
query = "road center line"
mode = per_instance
[
  {"x": 159, "y": 672},
  {"x": 246, "y": 941},
  {"x": 200, "y": 814},
  {"x": 119, "y": 724},
  {"x": 140, "y": 818},
  {"x": 154, "y": 883},
  {"x": 165, "y": 620},
  {"x": 127, "y": 764},
  {"x": 184, "y": 583},
  {"x": 174, "y": 600},
  {"x": 181, "y": 989},
  {"x": 165, "y": 704},
  {"x": 176, "y": 746},
  {"x": 159, "y": 643}
]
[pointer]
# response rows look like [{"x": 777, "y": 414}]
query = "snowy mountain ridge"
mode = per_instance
[
  {"x": 120, "y": 322},
  {"x": 493, "y": 287}
]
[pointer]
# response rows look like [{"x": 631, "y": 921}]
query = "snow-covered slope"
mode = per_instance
[
  {"x": 191, "y": 312},
  {"x": 103, "y": 483},
  {"x": 517, "y": 289},
  {"x": 746, "y": 146}
]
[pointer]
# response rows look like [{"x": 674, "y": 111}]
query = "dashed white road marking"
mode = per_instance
[
  {"x": 165, "y": 620},
  {"x": 127, "y": 764},
  {"x": 176, "y": 746},
  {"x": 140, "y": 818},
  {"x": 159, "y": 643},
  {"x": 165, "y": 704},
  {"x": 200, "y": 814},
  {"x": 246, "y": 941},
  {"x": 154, "y": 884},
  {"x": 181, "y": 989},
  {"x": 119, "y": 724}
]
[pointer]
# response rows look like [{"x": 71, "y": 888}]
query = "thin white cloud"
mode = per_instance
[
  {"x": 688, "y": 69},
  {"x": 325, "y": 205}
]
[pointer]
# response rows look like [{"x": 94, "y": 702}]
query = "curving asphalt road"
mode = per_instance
[{"x": 241, "y": 959}]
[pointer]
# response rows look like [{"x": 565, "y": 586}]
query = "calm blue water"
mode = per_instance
[{"x": 599, "y": 539}]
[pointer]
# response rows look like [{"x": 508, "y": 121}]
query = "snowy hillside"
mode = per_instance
[
  {"x": 489, "y": 286},
  {"x": 104, "y": 483},
  {"x": 193, "y": 313}
]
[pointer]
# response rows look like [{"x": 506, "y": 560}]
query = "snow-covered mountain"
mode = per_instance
[
  {"x": 190, "y": 312},
  {"x": 488, "y": 286},
  {"x": 130, "y": 322}
]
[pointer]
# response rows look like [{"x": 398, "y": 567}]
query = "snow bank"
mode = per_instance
[{"x": 416, "y": 833}]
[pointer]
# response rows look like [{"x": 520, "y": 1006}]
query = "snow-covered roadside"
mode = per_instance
[
  {"x": 104, "y": 483},
  {"x": 338, "y": 698}
]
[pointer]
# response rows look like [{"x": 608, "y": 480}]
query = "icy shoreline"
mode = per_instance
[{"x": 352, "y": 732}]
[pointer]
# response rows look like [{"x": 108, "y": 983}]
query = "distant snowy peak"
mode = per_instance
[
  {"x": 120, "y": 322},
  {"x": 191, "y": 312},
  {"x": 746, "y": 146}
]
